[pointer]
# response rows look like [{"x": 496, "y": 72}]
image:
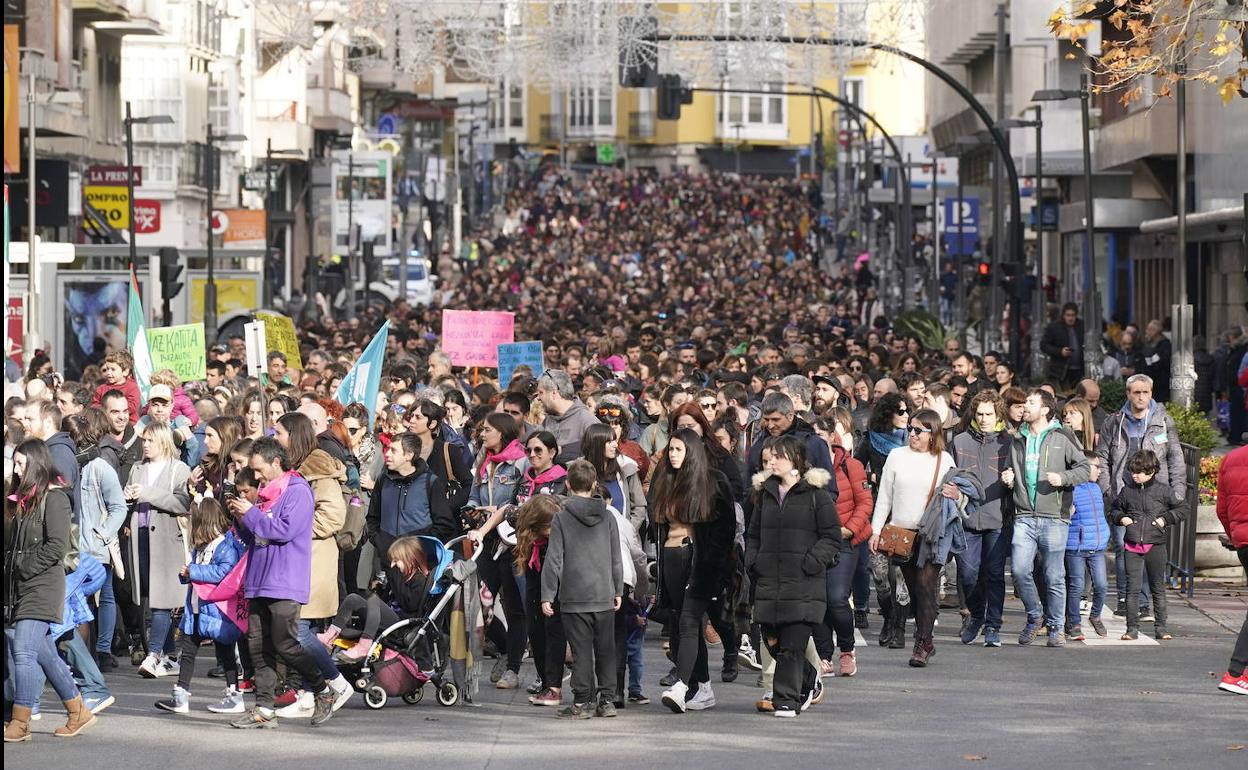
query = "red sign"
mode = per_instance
[
  {"x": 146, "y": 216},
  {"x": 13, "y": 329},
  {"x": 113, "y": 175}
]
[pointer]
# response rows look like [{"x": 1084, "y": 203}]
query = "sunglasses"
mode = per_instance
[
  {"x": 354, "y": 431},
  {"x": 535, "y": 450},
  {"x": 707, "y": 404},
  {"x": 914, "y": 429},
  {"x": 398, "y": 409}
]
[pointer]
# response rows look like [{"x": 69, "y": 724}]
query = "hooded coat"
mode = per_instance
[
  {"x": 326, "y": 476},
  {"x": 34, "y": 549},
  {"x": 790, "y": 545},
  {"x": 1233, "y": 496},
  {"x": 583, "y": 570},
  {"x": 568, "y": 428}
]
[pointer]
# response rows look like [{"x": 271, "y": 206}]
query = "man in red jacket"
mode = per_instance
[{"x": 1233, "y": 513}]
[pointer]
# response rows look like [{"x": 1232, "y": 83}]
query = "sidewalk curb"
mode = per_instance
[{"x": 1213, "y": 618}]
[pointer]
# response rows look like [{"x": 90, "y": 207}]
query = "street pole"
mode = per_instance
[
  {"x": 1092, "y": 355},
  {"x": 906, "y": 236},
  {"x": 349, "y": 273},
  {"x": 1182, "y": 367},
  {"x": 961, "y": 297},
  {"x": 134, "y": 255},
  {"x": 210, "y": 284},
  {"x": 268, "y": 224},
  {"x": 1038, "y": 315},
  {"x": 32, "y": 284},
  {"x": 934, "y": 303},
  {"x": 997, "y": 258}
]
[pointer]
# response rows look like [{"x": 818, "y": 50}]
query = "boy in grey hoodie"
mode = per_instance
[{"x": 584, "y": 571}]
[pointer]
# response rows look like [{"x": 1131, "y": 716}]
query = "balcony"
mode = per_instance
[
  {"x": 118, "y": 17},
  {"x": 550, "y": 128},
  {"x": 330, "y": 109},
  {"x": 641, "y": 125}
]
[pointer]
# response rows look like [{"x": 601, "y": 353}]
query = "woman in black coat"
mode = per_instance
[
  {"x": 36, "y": 539},
  {"x": 794, "y": 537},
  {"x": 696, "y": 525}
]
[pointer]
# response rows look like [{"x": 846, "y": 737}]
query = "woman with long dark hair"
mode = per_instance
[
  {"x": 426, "y": 419},
  {"x": 500, "y": 469},
  {"x": 910, "y": 480},
  {"x": 252, "y": 407},
  {"x": 690, "y": 415},
  {"x": 36, "y": 538},
  {"x": 794, "y": 538},
  {"x": 544, "y": 476},
  {"x": 220, "y": 436},
  {"x": 618, "y": 477},
  {"x": 692, "y": 507}
]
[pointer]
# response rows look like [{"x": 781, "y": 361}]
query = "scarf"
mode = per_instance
[
  {"x": 535, "y": 558},
  {"x": 510, "y": 453},
  {"x": 553, "y": 473},
  {"x": 887, "y": 442},
  {"x": 270, "y": 492}
]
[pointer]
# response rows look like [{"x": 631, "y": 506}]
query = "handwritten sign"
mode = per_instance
[
  {"x": 517, "y": 354},
  {"x": 279, "y": 331},
  {"x": 180, "y": 348},
  {"x": 472, "y": 337}
]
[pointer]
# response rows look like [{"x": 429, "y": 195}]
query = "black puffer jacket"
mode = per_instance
[
  {"x": 714, "y": 551},
  {"x": 34, "y": 548},
  {"x": 790, "y": 544},
  {"x": 1144, "y": 504}
]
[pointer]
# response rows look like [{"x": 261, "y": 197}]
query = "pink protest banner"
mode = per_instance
[
  {"x": 228, "y": 594},
  {"x": 472, "y": 337}
]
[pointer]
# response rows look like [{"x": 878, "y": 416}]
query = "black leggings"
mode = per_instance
[
  {"x": 498, "y": 575},
  {"x": 688, "y": 643},
  {"x": 546, "y": 637},
  {"x": 367, "y": 614},
  {"x": 189, "y": 645}
]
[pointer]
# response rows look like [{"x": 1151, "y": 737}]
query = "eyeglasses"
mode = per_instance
[
  {"x": 535, "y": 450},
  {"x": 354, "y": 431},
  {"x": 707, "y": 404},
  {"x": 914, "y": 429},
  {"x": 903, "y": 410},
  {"x": 398, "y": 409}
]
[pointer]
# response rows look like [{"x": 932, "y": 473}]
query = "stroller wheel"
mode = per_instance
[
  {"x": 361, "y": 684},
  {"x": 375, "y": 697},
  {"x": 415, "y": 696},
  {"x": 448, "y": 694}
]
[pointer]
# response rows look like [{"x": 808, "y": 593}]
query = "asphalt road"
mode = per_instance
[{"x": 1107, "y": 705}]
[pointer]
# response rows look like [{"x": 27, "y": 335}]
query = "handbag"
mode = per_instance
[
  {"x": 453, "y": 485},
  {"x": 898, "y": 542}
]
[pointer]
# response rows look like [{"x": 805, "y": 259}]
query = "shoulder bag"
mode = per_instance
[{"x": 898, "y": 542}]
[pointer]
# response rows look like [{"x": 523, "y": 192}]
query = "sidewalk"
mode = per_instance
[{"x": 1223, "y": 603}]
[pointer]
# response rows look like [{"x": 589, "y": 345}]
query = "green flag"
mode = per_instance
[{"x": 136, "y": 339}]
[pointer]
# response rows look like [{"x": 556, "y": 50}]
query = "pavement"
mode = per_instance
[{"x": 1099, "y": 704}]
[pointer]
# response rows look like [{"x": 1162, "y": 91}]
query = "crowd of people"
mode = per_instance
[{"x": 726, "y": 448}]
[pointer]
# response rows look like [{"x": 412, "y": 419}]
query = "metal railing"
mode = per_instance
[
  {"x": 641, "y": 125},
  {"x": 550, "y": 127},
  {"x": 1181, "y": 542}
]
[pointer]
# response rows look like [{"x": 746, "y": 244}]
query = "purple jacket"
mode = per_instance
[{"x": 280, "y": 544}]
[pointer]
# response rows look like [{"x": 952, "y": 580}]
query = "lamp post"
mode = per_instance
[
  {"x": 210, "y": 285},
  {"x": 1038, "y": 316},
  {"x": 130, "y": 122},
  {"x": 964, "y": 144},
  {"x": 1091, "y": 314},
  {"x": 737, "y": 147}
]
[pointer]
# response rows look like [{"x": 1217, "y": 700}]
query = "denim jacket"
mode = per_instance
[{"x": 103, "y": 509}]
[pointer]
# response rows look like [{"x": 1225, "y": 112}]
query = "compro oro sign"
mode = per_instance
[{"x": 111, "y": 201}]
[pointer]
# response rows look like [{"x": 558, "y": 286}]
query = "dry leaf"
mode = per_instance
[
  {"x": 1228, "y": 91},
  {"x": 974, "y": 757},
  {"x": 1235, "y": 747}
]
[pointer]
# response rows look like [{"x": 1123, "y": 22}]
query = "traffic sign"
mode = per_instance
[
  {"x": 961, "y": 226},
  {"x": 387, "y": 125}
]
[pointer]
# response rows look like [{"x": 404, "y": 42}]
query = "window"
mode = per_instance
[
  {"x": 159, "y": 164},
  {"x": 219, "y": 107},
  {"x": 855, "y": 90},
  {"x": 591, "y": 108},
  {"x": 760, "y": 116},
  {"x": 507, "y": 106},
  {"x": 153, "y": 86}
]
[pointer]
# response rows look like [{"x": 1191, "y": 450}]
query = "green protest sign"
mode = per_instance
[{"x": 180, "y": 348}]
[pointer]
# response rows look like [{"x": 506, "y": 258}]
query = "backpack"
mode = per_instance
[{"x": 351, "y": 536}]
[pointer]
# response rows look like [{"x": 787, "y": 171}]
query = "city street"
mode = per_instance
[{"x": 1103, "y": 705}]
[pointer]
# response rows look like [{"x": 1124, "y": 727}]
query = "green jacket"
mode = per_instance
[{"x": 1059, "y": 453}]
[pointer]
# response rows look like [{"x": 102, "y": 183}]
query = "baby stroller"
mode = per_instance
[{"x": 391, "y": 667}]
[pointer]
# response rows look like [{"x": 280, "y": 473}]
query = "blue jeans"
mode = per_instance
[
  {"x": 636, "y": 664},
  {"x": 106, "y": 614},
  {"x": 79, "y": 657},
  {"x": 1037, "y": 534},
  {"x": 981, "y": 568},
  {"x": 862, "y": 577},
  {"x": 1077, "y": 562},
  {"x": 160, "y": 638},
  {"x": 31, "y": 657},
  {"x": 838, "y": 618},
  {"x": 307, "y": 638},
  {"x": 1120, "y": 569}
]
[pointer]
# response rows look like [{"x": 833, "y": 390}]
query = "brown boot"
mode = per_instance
[
  {"x": 923, "y": 651},
  {"x": 18, "y": 728},
  {"x": 80, "y": 718}
]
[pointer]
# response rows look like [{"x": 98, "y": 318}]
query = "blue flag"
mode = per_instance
[{"x": 364, "y": 380}]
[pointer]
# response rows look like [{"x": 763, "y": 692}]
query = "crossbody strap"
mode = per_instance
[{"x": 932, "y": 489}]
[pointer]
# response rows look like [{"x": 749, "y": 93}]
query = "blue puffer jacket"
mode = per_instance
[
  {"x": 1089, "y": 529},
  {"x": 212, "y": 569}
]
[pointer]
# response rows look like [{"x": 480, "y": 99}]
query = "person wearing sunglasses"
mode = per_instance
[
  {"x": 907, "y": 485},
  {"x": 886, "y": 433},
  {"x": 544, "y": 476},
  {"x": 614, "y": 411}
]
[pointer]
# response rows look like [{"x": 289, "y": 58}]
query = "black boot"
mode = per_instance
[{"x": 898, "y": 640}]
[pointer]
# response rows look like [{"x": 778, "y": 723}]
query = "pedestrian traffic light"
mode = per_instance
[
  {"x": 170, "y": 271},
  {"x": 985, "y": 273},
  {"x": 669, "y": 97}
]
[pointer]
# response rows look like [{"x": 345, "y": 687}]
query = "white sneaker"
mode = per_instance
[
  {"x": 180, "y": 703},
  {"x": 746, "y": 656},
  {"x": 302, "y": 708},
  {"x": 674, "y": 698},
  {"x": 343, "y": 690},
  {"x": 703, "y": 700},
  {"x": 168, "y": 667},
  {"x": 231, "y": 703},
  {"x": 148, "y": 668}
]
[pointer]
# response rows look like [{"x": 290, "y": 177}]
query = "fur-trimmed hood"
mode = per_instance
[
  {"x": 320, "y": 465},
  {"x": 815, "y": 477}
]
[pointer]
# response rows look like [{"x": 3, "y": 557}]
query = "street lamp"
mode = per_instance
[
  {"x": 210, "y": 285},
  {"x": 1091, "y": 315},
  {"x": 1039, "y": 317},
  {"x": 130, "y": 122},
  {"x": 737, "y": 147}
]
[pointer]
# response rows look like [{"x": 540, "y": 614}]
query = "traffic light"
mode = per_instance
[
  {"x": 170, "y": 271},
  {"x": 670, "y": 97},
  {"x": 985, "y": 273}
]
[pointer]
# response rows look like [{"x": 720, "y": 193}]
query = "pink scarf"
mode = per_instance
[
  {"x": 535, "y": 559},
  {"x": 510, "y": 453},
  {"x": 270, "y": 492}
]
